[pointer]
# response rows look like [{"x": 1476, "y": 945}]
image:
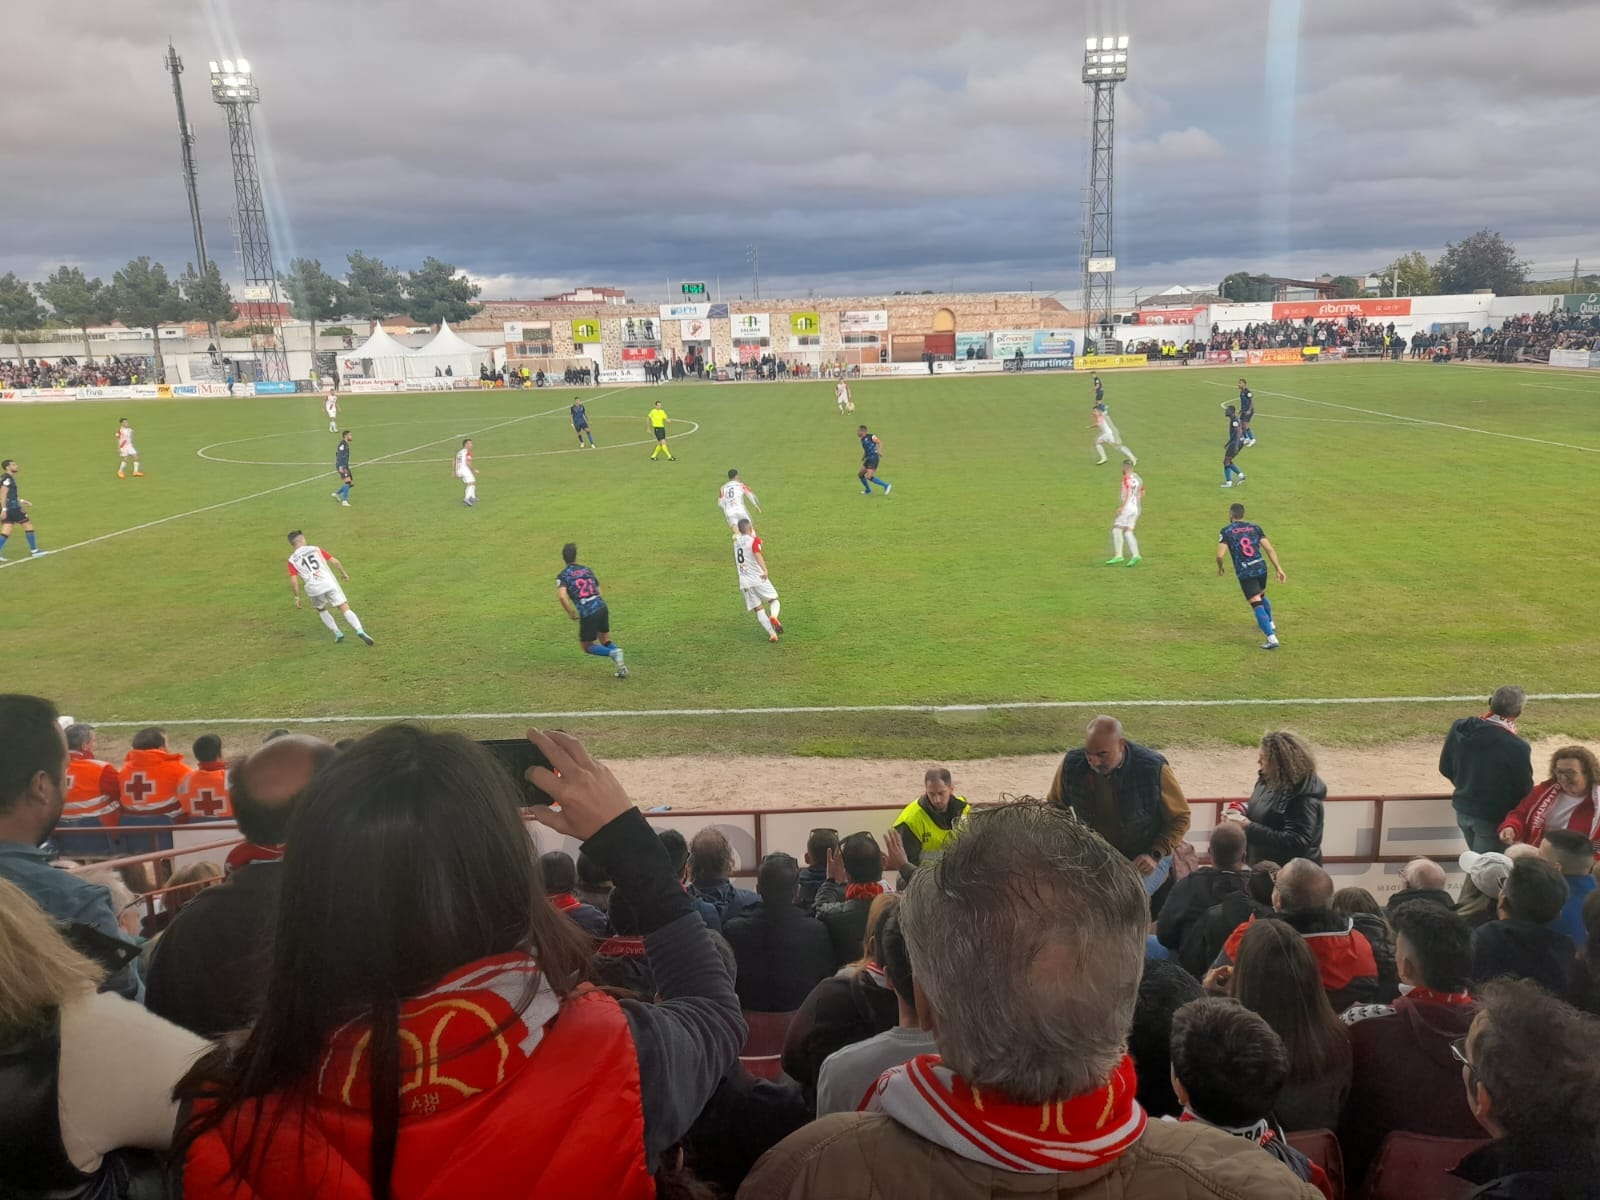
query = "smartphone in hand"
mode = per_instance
[{"x": 518, "y": 754}]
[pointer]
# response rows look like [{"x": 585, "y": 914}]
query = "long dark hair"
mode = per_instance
[
  {"x": 1276, "y": 976},
  {"x": 406, "y": 859}
]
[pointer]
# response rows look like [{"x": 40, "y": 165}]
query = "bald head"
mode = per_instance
[
  {"x": 1104, "y": 745},
  {"x": 1227, "y": 846},
  {"x": 1302, "y": 885},
  {"x": 266, "y": 785},
  {"x": 1521, "y": 850},
  {"x": 1422, "y": 874}
]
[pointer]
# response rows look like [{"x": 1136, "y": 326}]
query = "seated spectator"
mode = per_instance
[
  {"x": 1586, "y": 972},
  {"x": 186, "y": 883},
  {"x": 1283, "y": 818},
  {"x": 925, "y": 825},
  {"x": 1278, "y": 977},
  {"x": 1479, "y": 901},
  {"x": 1180, "y": 925},
  {"x": 1521, "y": 944},
  {"x": 710, "y": 864},
  {"x": 849, "y": 1007},
  {"x": 1301, "y": 898},
  {"x": 560, "y": 879},
  {"x": 620, "y": 961},
  {"x": 1164, "y": 988},
  {"x": 677, "y": 848},
  {"x": 1351, "y": 901},
  {"x": 203, "y": 794},
  {"x": 1423, "y": 880},
  {"x": 593, "y": 887},
  {"x": 94, "y": 796},
  {"x": 209, "y": 971},
  {"x": 782, "y": 953},
  {"x": 1572, "y": 855},
  {"x": 1027, "y": 938},
  {"x": 1403, "y": 1076},
  {"x": 85, "y": 1076},
  {"x": 1569, "y": 799},
  {"x": 855, "y": 879},
  {"x": 411, "y": 901},
  {"x": 1222, "y": 919},
  {"x": 33, "y": 792},
  {"x": 129, "y": 907},
  {"x": 850, "y": 1072},
  {"x": 1228, "y": 1068},
  {"x": 820, "y": 843},
  {"x": 150, "y": 777},
  {"x": 1532, "y": 1075}
]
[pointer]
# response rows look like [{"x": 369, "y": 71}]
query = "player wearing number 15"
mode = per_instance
[
  {"x": 1251, "y": 552},
  {"x": 316, "y": 566},
  {"x": 579, "y": 593},
  {"x": 753, "y": 580}
]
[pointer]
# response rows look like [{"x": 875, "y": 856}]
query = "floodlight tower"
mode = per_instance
[
  {"x": 174, "y": 66},
  {"x": 1105, "y": 64},
  {"x": 233, "y": 87}
]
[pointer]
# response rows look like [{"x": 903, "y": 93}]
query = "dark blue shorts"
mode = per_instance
[
  {"x": 14, "y": 516},
  {"x": 1253, "y": 585},
  {"x": 869, "y": 464}
]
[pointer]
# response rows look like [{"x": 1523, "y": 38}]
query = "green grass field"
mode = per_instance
[{"x": 1431, "y": 549}]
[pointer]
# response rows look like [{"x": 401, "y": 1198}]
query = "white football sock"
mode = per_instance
[
  {"x": 1116, "y": 542},
  {"x": 773, "y": 609},
  {"x": 766, "y": 622},
  {"x": 353, "y": 620},
  {"x": 1128, "y": 454},
  {"x": 1133, "y": 545},
  {"x": 1101, "y": 451},
  {"x": 327, "y": 619},
  {"x": 472, "y": 491}
]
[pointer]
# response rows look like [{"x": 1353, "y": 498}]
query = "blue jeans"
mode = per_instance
[
  {"x": 1482, "y": 834},
  {"x": 1154, "y": 880}
]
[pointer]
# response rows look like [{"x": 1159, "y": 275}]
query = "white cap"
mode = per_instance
[
  {"x": 64, "y": 721},
  {"x": 1487, "y": 871}
]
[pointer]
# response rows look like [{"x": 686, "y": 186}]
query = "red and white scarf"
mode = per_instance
[
  {"x": 1539, "y": 814},
  {"x": 1507, "y": 723},
  {"x": 1080, "y": 1133},
  {"x": 1261, "y": 1132},
  {"x": 564, "y": 901},
  {"x": 863, "y": 891},
  {"x": 1424, "y": 995}
]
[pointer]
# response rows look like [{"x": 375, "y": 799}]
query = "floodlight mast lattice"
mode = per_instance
[
  {"x": 1105, "y": 64},
  {"x": 233, "y": 88}
]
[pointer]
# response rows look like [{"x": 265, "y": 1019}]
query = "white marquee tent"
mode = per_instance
[
  {"x": 388, "y": 358},
  {"x": 448, "y": 350}
]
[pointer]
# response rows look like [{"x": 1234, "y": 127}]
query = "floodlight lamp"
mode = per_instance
[
  {"x": 1122, "y": 42},
  {"x": 214, "y": 66},
  {"x": 1108, "y": 43},
  {"x": 244, "y": 67},
  {"x": 1089, "y": 44},
  {"x": 227, "y": 65}
]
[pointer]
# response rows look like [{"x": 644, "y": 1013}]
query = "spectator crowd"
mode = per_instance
[
  {"x": 389, "y": 992},
  {"x": 70, "y": 372}
]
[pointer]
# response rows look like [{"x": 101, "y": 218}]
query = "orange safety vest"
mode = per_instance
[
  {"x": 204, "y": 793},
  {"x": 150, "y": 781},
  {"x": 91, "y": 792}
]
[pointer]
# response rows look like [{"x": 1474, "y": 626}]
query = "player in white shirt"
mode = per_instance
[
  {"x": 753, "y": 581},
  {"x": 316, "y": 566},
  {"x": 731, "y": 500},
  {"x": 463, "y": 472},
  {"x": 841, "y": 393},
  {"x": 125, "y": 451},
  {"x": 1127, "y": 517},
  {"x": 330, "y": 405},
  {"x": 1108, "y": 435}
]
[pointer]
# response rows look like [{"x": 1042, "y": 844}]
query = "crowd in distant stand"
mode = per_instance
[
  {"x": 69, "y": 372},
  {"x": 1270, "y": 335}
]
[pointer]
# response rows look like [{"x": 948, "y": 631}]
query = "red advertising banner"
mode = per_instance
[
  {"x": 638, "y": 354},
  {"x": 1332, "y": 310},
  {"x": 1278, "y": 355},
  {"x": 1169, "y": 316}
]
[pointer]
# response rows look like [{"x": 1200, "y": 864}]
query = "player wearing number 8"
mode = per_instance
[
  {"x": 751, "y": 564},
  {"x": 579, "y": 593},
  {"x": 1251, "y": 552}
]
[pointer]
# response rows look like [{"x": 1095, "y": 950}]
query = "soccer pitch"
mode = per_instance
[{"x": 1436, "y": 524}]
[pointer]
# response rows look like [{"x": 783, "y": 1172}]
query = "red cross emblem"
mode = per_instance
[
  {"x": 208, "y": 804},
  {"x": 137, "y": 788}
]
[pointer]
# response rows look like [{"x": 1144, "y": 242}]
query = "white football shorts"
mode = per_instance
[
  {"x": 331, "y": 598},
  {"x": 757, "y": 592}
]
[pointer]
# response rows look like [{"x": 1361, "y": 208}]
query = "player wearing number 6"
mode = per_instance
[
  {"x": 753, "y": 581},
  {"x": 316, "y": 566},
  {"x": 1247, "y": 543}
]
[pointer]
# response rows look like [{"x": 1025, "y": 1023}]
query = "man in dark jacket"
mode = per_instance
[
  {"x": 677, "y": 848},
  {"x": 819, "y": 844},
  {"x": 841, "y": 1010},
  {"x": 1422, "y": 881},
  {"x": 1129, "y": 795},
  {"x": 855, "y": 879},
  {"x": 710, "y": 864},
  {"x": 1490, "y": 766},
  {"x": 1404, "y": 1077},
  {"x": 1193, "y": 896},
  {"x": 1521, "y": 944},
  {"x": 560, "y": 876},
  {"x": 782, "y": 953}
]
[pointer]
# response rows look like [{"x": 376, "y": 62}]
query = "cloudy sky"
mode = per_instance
[{"x": 860, "y": 147}]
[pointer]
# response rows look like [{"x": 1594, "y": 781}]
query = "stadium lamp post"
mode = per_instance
[
  {"x": 1105, "y": 64},
  {"x": 233, "y": 87}
]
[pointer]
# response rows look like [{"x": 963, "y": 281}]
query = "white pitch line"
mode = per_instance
[
  {"x": 1373, "y": 412},
  {"x": 282, "y": 487},
  {"x": 798, "y": 710},
  {"x": 1556, "y": 387}
]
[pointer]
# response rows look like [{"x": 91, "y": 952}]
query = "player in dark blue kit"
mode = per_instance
[
  {"x": 1099, "y": 391},
  {"x": 1247, "y": 413},
  {"x": 1251, "y": 552},
  {"x": 341, "y": 464},
  {"x": 13, "y": 510},
  {"x": 580, "y": 424},
  {"x": 871, "y": 455},
  {"x": 1235, "y": 443},
  {"x": 579, "y": 593}
]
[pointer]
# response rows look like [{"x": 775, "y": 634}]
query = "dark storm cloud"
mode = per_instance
[{"x": 861, "y": 147}]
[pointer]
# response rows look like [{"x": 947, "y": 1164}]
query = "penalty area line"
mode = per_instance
[{"x": 823, "y": 710}]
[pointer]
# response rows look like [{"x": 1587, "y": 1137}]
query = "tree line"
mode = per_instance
[{"x": 1480, "y": 260}]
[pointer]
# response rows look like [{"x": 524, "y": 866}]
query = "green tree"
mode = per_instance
[
  {"x": 142, "y": 297},
  {"x": 208, "y": 296},
  {"x": 1242, "y": 288},
  {"x": 316, "y": 295},
  {"x": 1481, "y": 260},
  {"x": 1349, "y": 287},
  {"x": 77, "y": 300},
  {"x": 435, "y": 293},
  {"x": 1416, "y": 277},
  {"x": 19, "y": 308},
  {"x": 374, "y": 288}
]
